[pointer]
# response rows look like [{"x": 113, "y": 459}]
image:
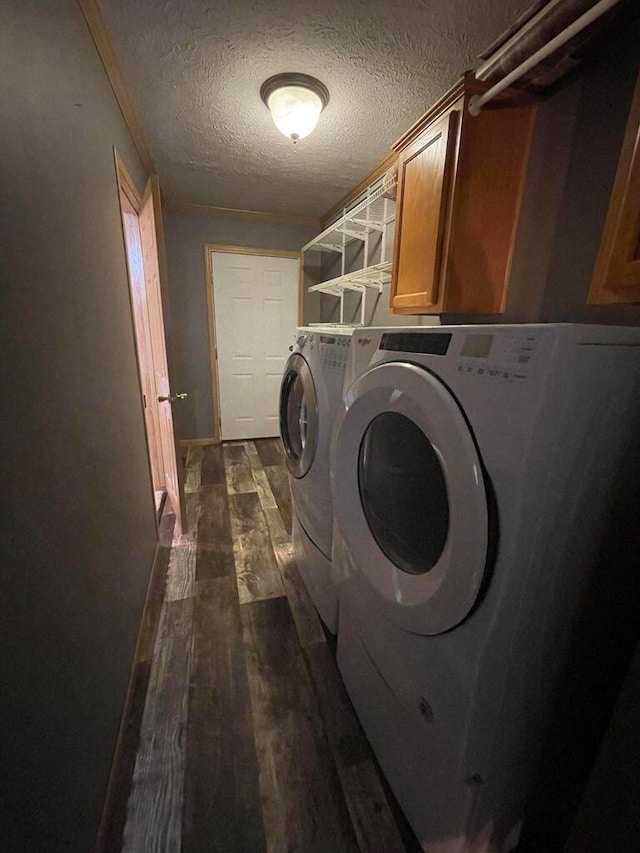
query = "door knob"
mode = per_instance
[{"x": 172, "y": 398}]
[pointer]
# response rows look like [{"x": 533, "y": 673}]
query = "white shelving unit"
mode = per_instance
[
  {"x": 374, "y": 213},
  {"x": 360, "y": 280}
]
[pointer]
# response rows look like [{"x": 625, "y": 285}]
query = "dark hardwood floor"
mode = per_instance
[{"x": 248, "y": 741}]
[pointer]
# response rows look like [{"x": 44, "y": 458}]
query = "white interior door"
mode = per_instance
[{"x": 255, "y": 301}]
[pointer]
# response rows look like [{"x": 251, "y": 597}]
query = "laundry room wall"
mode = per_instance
[
  {"x": 186, "y": 234},
  {"x": 78, "y": 530},
  {"x": 574, "y": 155}
]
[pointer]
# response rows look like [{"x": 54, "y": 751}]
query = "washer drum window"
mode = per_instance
[
  {"x": 298, "y": 416},
  {"x": 403, "y": 493},
  {"x": 409, "y": 496}
]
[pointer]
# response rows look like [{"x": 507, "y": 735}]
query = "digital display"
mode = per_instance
[
  {"x": 326, "y": 340},
  {"x": 429, "y": 343},
  {"x": 477, "y": 346}
]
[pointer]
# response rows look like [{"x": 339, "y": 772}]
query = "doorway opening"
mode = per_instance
[
  {"x": 253, "y": 296},
  {"x": 142, "y": 231}
]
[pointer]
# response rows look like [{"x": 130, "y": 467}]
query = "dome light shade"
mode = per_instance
[
  {"x": 295, "y": 102},
  {"x": 295, "y": 110}
]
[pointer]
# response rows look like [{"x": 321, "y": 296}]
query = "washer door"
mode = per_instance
[
  {"x": 298, "y": 415},
  {"x": 409, "y": 496}
]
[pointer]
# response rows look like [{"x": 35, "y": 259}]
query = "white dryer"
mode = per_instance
[
  {"x": 474, "y": 471},
  {"x": 310, "y": 395}
]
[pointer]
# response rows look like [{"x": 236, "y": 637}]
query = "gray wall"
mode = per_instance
[
  {"x": 186, "y": 235},
  {"x": 78, "y": 530},
  {"x": 575, "y": 151}
]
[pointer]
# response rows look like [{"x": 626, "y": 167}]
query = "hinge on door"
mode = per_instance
[{"x": 144, "y": 400}]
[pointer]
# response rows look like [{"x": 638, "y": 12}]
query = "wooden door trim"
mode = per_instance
[
  {"x": 209, "y": 249},
  {"x": 119, "y": 165},
  {"x": 126, "y": 183},
  {"x": 152, "y": 193},
  {"x": 213, "y": 346}
]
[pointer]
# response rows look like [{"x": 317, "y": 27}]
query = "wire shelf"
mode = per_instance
[
  {"x": 375, "y": 276},
  {"x": 352, "y": 225}
]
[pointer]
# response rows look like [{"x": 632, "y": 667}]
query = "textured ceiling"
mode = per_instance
[{"x": 194, "y": 70}]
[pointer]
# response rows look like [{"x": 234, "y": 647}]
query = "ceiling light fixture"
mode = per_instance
[{"x": 295, "y": 102}]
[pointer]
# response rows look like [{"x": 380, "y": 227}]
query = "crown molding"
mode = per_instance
[
  {"x": 186, "y": 207},
  {"x": 102, "y": 41},
  {"x": 447, "y": 100}
]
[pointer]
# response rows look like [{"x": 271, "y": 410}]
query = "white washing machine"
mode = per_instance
[
  {"x": 310, "y": 394},
  {"x": 474, "y": 473}
]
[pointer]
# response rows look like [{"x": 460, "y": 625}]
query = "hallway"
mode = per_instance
[{"x": 248, "y": 740}]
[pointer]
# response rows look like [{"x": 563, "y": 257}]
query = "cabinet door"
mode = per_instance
[
  {"x": 616, "y": 277},
  {"x": 424, "y": 176}
]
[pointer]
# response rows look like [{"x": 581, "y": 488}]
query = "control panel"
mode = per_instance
[
  {"x": 334, "y": 350},
  {"x": 506, "y": 357}
]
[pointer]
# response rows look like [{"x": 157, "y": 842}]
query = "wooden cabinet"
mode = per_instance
[
  {"x": 616, "y": 276},
  {"x": 460, "y": 183},
  {"x": 424, "y": 171}
]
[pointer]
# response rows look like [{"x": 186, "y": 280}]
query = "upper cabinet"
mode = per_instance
[
  {"x": 616, "y": 276},
  {"x": 460, "y": 184},
  {"x": 424, "y": 170}
]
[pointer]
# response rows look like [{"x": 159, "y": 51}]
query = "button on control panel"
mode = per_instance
[{"x": 334, "y": 350}]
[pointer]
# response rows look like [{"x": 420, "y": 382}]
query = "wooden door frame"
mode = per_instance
[
  {"x": 127, "y": 186},
  {"x": 209, "y": 249},
  {"x": 126, "y": 182},
  {"x": 120, "y": 781}
]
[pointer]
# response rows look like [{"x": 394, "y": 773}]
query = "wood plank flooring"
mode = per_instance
[{"x": 248, "y": 740}]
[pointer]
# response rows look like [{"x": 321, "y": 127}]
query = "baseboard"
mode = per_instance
[
  {"x": 198, "y": 442},
  {"x": 110, "y": 833}
]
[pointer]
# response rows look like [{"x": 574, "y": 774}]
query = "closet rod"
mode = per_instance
[{"x": 478, "y": 101}]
